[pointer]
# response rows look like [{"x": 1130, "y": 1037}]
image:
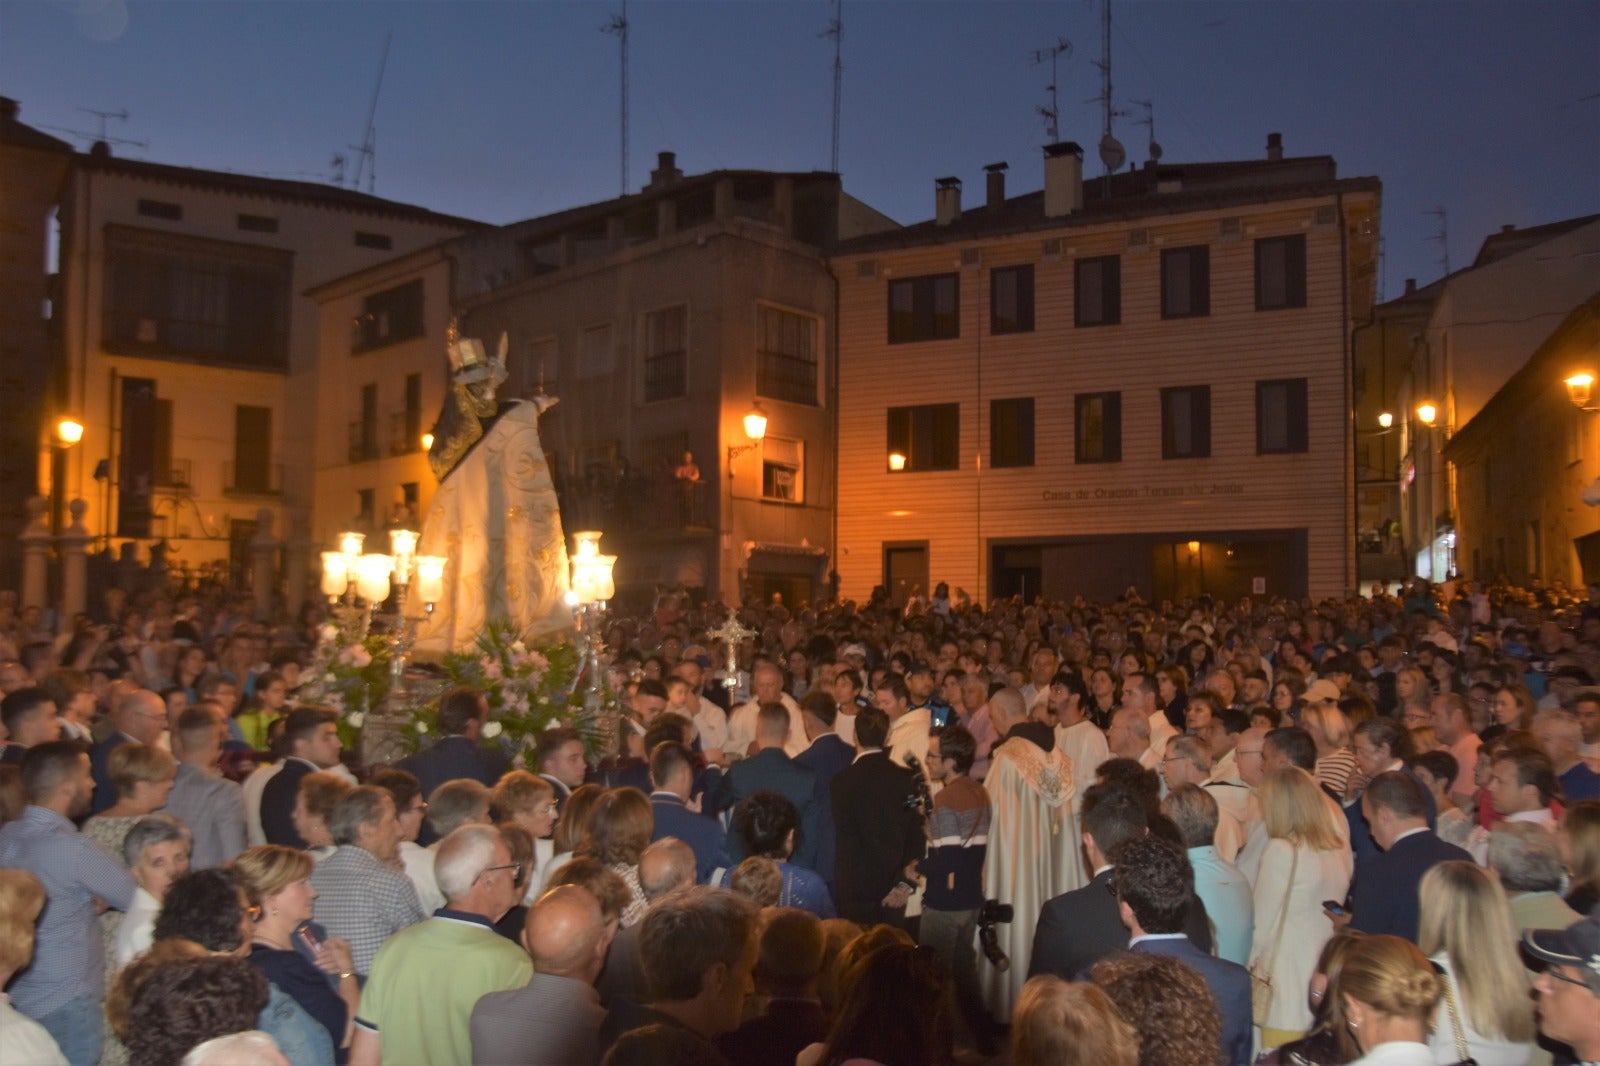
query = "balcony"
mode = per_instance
[
  {"x": 252, "y": 479},
  {"x": 177, "y": 475},
  {"x": 363, "y": 440},
  {"x": 637, "y": 504},
  {"x": 405, "y": 432}
]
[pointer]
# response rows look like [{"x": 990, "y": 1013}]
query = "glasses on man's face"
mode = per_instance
[
  {"x": 514, "y": 867},
  {"x": 1555, "y": 972}
]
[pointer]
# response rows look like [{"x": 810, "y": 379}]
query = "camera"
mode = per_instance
[{"x": 991, "y": 914}]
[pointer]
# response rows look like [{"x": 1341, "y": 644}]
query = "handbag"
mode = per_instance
[
  {"x": 1261, "y": 989},
  {"x": 1463, "y": 1058}
]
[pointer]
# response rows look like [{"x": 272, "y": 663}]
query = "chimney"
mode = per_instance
[
  {"x": 997, "y": 185},
  {"x": 1509, "y": 227},
  {"x": 1274, "y": 146},
  {"x": 8, "y": 109},
  {"x": 1063, "y": 179},
  {"x": 1411, "y": 286},
  {"x": 666, "y": 172},
  {"x": 946, "y": 201}
]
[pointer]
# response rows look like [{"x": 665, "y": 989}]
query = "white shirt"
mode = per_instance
[
  {"x": 137, "y": 930},
  {"x": 909, "y": 736},
  {"x": 1478, "y": 843},
  {"x": 742, "y": 728},
  {"x": 253, "y": 786},
  {"x": 419, "y": 868},
  {"x": 24, "y": 1040},
  {"x": 712, "y": 723}
]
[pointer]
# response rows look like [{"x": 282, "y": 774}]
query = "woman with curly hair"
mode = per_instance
[
  {"x": 766, "y": 822},
  {"x": 1167, "y": 1003},
  {"x": 186, "y": 1002},
  {"x": 619, "y": 830}
]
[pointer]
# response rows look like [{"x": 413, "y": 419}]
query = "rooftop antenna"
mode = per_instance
[
  {"x": 619, "y": 26},
  {"x": 1442, "y": 236},
  {"x": 1112, "y": 154},
  {"x": 835, "y": 31},
  {"x": 100, "y": 131},
  {"x": 1150, "y": 121},
  {"x": 1052, "y": 114},
  {"x": 367, "y": 153}
]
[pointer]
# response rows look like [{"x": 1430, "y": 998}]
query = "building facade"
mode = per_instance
[
  {"x": 188, "y": 349},
  {"x": 1136, "y": 382}
]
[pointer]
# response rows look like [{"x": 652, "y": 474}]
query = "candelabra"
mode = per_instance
[
  {"x": 349, "y": 573},
  {"x": 592, "y": 585}
]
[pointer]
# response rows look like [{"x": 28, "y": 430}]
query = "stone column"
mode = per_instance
[
  {"x": 73, "y": 546},
  {"x": 263, "y": 564},
  {"x": 35, "y": 538}
]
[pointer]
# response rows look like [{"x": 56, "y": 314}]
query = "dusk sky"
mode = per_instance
[{"x": 506, "y": 110}]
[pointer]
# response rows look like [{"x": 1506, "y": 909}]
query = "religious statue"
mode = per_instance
[{"x": 494, "y": 515}]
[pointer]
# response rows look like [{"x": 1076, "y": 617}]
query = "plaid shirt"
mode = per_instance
[
  {"x": 364, "y": 901},
  {"x": 69, "y": 957}
]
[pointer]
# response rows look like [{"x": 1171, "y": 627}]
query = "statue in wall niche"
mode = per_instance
[{"x": 494, "y": 516}]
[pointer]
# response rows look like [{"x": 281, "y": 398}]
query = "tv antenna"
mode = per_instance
[
  {"x": 1052, "y": 114},
  {"x": 101, "y": 117},
  {"x": 835, "y": 31},
  {"x": 1442, "y": 237},
  {"x": 1112, "y": 154},
  {"x": 367, "y": 151},
  {"x": 619, "y": 27},
  {"x": 1150, "y": 121}
]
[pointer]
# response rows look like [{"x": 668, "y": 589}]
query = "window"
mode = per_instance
[
  {"x": 172, "y": 296},
  {"x": 929, "y": 436},
  {"x": 786, "y": 355},
  {"x": 166, "y": 469},
  {"x": 598, "y": 357},
  {"x": 161, "y": 209},
  {"x": 409, "y": 500},
  {"x": 389, "y": 317},
  {"x": 1186, "y": 422},
  {"x": 1098, "y": 285},
  {"x": 666, "y": 353},
  {"x": 1280, "y": 272},
  {"x": 252, "y": 450},
  {"x": 1281, "y": 416},
  {"x": 541, "y": 366},
  {"x": 366, "y": 501},
  {"x": 381, "y": 241},
  {"x": 1011, "y": 432},
  {"x": 1097, "y": 427},
  {"x": 783, "y": 470},
  {"x": 258, "y": 224},
  {"x": 408, "y": 437},
  {"x": 1011, "y": 299},
  {"x": 364, "y": 431},
  {"x": 924, "y": 309},
  {"x": 1186, "y": 282}
]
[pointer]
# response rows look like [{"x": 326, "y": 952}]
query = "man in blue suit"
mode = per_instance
[
  {"x": 1154, "y": 883},
  {"x": 828, "y": 754},
  {"x": 672, "y": 773},
  {"x": 1385, "y": 895},
  {"x": 457, "y": 753},
  {"x": 1381, "y": 745},
  {"x": 771, "y": 769},
  {"x": 138, "y": 719}
]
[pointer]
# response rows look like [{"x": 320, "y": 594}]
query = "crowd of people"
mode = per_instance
[{"x": 1364, "y": 830}]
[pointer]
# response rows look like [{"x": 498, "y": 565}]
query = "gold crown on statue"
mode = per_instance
[{"x": 468, "y": 362}]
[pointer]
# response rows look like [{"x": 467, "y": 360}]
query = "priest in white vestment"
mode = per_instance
[
  {"x": 1084, "y": 746},
  {"x": 1032, "y": 845}
]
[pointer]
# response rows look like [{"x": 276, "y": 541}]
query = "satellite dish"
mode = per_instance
[
  {"x": 1155, "y": 151},
  {"x": 1112, "y": 154}
]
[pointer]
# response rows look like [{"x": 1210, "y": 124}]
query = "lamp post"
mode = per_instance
[
  {"x": 66, "y": 433},
  {"x": 1580, "y": 388}
]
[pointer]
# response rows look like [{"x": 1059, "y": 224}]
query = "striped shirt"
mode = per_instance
[
  {"x": 68, "y": 958},
  {"x": 364, "y": 901}
]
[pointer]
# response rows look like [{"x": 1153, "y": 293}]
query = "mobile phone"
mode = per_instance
[
  {"x": 309, "y": 938},
  {"x": 1334, "y": 907}
]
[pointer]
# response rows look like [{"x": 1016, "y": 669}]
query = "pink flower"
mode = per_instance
[
  {"x": 491, "y": 670},
  {"x": 357, "y": 656}
]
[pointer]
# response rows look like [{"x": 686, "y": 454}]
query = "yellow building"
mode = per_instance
[
  {"x": 189, "y": 350},
  {"x": 1143, "y": 382}
]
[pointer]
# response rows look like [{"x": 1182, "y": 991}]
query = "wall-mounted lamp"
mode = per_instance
[
  {"x": 427, "y": 442},
  {"x": 1427, "y": 413},
  {"x": 897, "y": 461},
  {"x": 755, "y": 428},
  {"x": 69, "y": 431},
  {"x": 1194, "y": 547},
  {"x": 1579, "y": 386},
  {"x": 1385, "y": 419}
]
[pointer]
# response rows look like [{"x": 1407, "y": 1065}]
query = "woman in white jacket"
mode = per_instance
[{"x": 1304, "y": 863}]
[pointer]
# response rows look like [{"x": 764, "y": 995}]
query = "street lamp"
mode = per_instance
[
  {"x": 1579, "y": 386},
  {"x": 1385, "y": 419},
  {"x": 755, "y": 428},
  {"x": 69, "y": 431},
  {"x": 592, "y": 585},
  {"x": 897, "y": 461},
  {"x": 1427, "y": 413}
]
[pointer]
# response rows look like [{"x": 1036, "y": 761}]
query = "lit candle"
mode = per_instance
[
  {"x": 335, "y": 573},
  {"x": 430, "y": 578},
  {"x": 350, "y": 543},
  {"x": 372, "y": 576},
  {"x": 604, "y": 586},
  {"x": 403, "y": 543}
]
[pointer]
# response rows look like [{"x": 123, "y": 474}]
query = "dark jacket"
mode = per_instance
[
  {"x": 826, "y": 756},
  {"x": 770, "y": 769},
  {"x": 277, "y": 803},
  {"x": 1079, "y": 928},
  {"x": 1384, "y": 899},
  {"x": 877, "y": 834},
  {"x": 105, "y": 792},
  {"x": 1230, "y": 986},
  {"x": 704, "y": 835}
]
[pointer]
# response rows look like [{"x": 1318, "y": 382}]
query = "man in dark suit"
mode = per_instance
[
  {"x": 138, "y": 719},
  {"x": 1154, "y": 883},
  {"x": 1381, "y": 745},
  {"x": 1385, "y": 896},
  {"x": 828, "y": 754},
  {"x": 311, "y": 737},
  {"x": 878, "y": 835},
  {"x": 771, "y": 769},
  {"x": 672, "y": 773},
  {"x": 558, "y": 758},
  {"x": 1081, "y": 927},
  {"x": 457, "y": 753}
]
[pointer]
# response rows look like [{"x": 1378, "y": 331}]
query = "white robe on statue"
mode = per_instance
[
  {"x": 495, "y": 519},
  {"x": 1032, "y": 855}
]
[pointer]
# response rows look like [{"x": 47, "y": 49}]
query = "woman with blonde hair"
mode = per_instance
[
  {"x": 529, "y": 801},
  {"x": 1466, "y": 930},
  {"x": 1411, "y": 690},
  {"x": 1514, "y": 707},
  {"x": 1305, "y": 862},
  {"x": 1390, "y": 991},
  {"x": 1578, "y": 837},
  {"x": 284, "y": 936},
  {"x": 143, "y": 775},
  {"x": 1330, "y": 732},
  {"x": 1057, "y": 1023},
  {"x": 21, "y": 1038}
]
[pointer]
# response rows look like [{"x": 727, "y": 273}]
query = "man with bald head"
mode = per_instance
[
  {"x": 140, "y": 717},
  {"x": 555, "y": 1018},
  {"x": 767, "y": 681},
  {"x": 665, "y": 867}
]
